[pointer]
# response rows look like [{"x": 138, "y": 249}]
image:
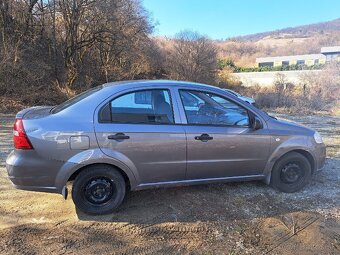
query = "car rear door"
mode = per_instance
[
  {"x": 220, "y": 141},
  {"x": 139, "y": 128}
]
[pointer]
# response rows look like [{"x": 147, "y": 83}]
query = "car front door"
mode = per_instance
[
  {"x": 138, "y": 128},
  {"x": 220, "y": 141}
]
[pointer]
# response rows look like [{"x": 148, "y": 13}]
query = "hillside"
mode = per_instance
[
  {"x": 295, "y": 32},
  {"x": 305, "y": 39}
]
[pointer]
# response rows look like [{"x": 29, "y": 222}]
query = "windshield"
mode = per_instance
[{"x": 75, "y": 99}]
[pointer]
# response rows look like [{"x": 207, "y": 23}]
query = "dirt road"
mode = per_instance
[{"x": 231, "y": 218}]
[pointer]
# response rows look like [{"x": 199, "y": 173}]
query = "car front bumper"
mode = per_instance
[{"x": 320, "y": 157}]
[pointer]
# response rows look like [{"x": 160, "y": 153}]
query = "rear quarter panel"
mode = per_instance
[{"x": 50, "y": 135}]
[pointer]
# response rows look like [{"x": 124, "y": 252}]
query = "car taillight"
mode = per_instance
[{"x": 19, "y": 136}]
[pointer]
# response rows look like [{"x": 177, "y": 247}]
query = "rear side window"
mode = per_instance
[
  {"x": 75, "y": 99},
  {"x": 139, "y": 107}
]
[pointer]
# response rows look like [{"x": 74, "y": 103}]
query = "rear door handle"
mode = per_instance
[
  {"x": 118, "y": 136},
  {"x": 204, "y": 137}
]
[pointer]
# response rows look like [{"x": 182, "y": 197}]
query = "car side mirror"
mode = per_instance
[{"x": 257, "y": 124}]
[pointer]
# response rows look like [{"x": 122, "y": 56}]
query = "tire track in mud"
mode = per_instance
[
  {"x": 121, "y": 238},
  {"x": 174, "y": 233}
]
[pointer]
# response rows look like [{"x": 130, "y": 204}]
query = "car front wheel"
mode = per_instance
[
  {"x": 98, "y": 189},
  {"x": 291, "y": 173}
]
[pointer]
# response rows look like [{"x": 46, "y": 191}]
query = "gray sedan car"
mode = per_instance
[{"x": 135, "y": 135}]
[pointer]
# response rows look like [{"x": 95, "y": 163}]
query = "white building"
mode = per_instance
[{"x": 327, "y": 54}]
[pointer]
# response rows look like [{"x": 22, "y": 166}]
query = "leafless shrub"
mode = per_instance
[
  {"x": 283, "y": 90},
  {"x": 225, "y": 79},
  {"x": 322, "y": 90},
  {"x": 192, "y": 57}
]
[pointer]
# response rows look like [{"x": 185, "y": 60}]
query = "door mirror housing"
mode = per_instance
[{"x": 256, "y": 123}]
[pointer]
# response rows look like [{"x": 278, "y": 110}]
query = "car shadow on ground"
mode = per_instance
[{"x": 225, "y": 201}]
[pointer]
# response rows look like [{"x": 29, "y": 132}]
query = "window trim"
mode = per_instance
[
  {"x": 210, "y": 125},
  {"x": 134, "y": 91}
]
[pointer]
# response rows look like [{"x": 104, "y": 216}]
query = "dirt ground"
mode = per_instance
[{"x": 229, "y": 218}]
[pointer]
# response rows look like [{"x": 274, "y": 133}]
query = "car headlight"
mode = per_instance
[{"x": 317, "y": 137}]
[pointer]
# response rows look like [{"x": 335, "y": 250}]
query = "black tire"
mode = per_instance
[
  {"x": 291, "y": 173},
  {"x": 98, "y": 189}
]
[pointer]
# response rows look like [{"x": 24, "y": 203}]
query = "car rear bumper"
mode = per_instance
[
  {"x": 28, "y": 171},
  {"x": 34, "y": 188}
]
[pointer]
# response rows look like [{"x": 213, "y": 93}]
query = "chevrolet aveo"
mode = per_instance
[{"x": 135, "y": 135}]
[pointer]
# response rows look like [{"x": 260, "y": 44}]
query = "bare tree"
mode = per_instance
[
  {"x": 193, "y": 57},
  {"x": 70, "y": 45},
  {"x": 124, "y": 48},
  {"x": 76, "y": 38}
]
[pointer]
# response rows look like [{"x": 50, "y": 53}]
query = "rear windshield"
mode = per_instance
[{"x": 75, "y": 99}]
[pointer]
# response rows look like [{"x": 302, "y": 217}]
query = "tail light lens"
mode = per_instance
[{"x": 19, "y": 136}]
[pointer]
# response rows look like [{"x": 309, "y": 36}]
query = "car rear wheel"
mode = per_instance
[
  {"x": 98, "y": 189},
  {"x": 291, "y": 173}
]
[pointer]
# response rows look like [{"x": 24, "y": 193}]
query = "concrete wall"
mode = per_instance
[{"x": 265, "y": 79}]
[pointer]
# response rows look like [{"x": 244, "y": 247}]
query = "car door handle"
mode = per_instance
[
  {"x": 118, "y": 136},
  {"x": 203, "y": 137}
]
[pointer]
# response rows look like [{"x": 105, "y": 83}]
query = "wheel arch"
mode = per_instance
[
  {"x": 70, "y": 170},
  {"x": 309, "y": 157},
  {"x": 303, "y": 152},
  {"x": 121, "y": 171}
]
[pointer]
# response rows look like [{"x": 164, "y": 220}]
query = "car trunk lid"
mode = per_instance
[{"x": 34, "y": 112}]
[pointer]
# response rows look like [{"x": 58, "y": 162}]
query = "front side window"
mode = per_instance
[
  {"x": 140, "y": 107},
  {"x": 210, "y": 109}
]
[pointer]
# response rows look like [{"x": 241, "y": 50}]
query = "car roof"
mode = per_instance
[
  {"x": 133, "y": 83},
  {"x": 93, "y": 100}
]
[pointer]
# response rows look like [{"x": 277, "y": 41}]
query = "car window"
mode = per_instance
[
  {"x": 213, "y": 110},
  {"x": 192, "y": 101},
  {"x": 75, "y": 99},
  {"x": 145, "y": 106}
]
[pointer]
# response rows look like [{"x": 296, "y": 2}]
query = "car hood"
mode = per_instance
[{"x": 289, "y": 127}]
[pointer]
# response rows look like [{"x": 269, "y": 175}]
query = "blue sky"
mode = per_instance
[{"x": 220, "y": 19}]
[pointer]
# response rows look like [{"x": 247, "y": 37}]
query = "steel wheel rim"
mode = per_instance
[
  {"x": 99, "y": 190},
  {"x": 291, "y": 173}
]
